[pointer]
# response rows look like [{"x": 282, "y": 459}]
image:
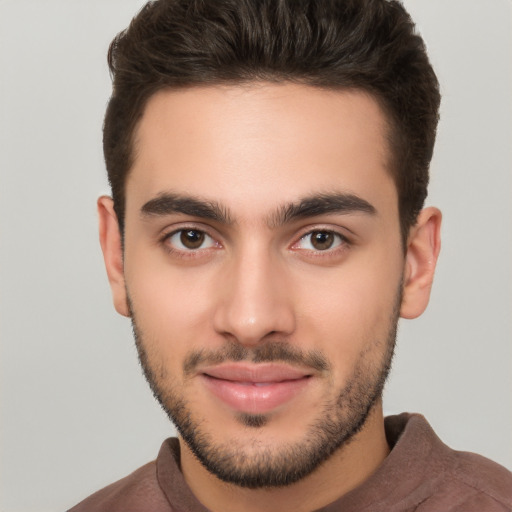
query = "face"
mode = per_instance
[{"x": 263, "y": 271}]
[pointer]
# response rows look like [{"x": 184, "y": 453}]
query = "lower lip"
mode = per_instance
[{"x": 255, "y": 399}]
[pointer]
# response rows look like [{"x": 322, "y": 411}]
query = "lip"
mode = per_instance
[{"x": 255, "y": 388}]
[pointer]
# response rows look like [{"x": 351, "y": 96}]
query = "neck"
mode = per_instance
[{"x": 346, "y": 469}]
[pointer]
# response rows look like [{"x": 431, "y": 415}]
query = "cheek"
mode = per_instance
[
  {"x": 171, "y": 306},
  {"x": 350, "y": 310}
]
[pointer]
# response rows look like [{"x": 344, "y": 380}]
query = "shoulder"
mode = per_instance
[
  {"x": 158, "y": 486},
  {"x": 446, "y": 479},
  {"x": 137, "y": 491},
  {"x": 479, "y": 482}
]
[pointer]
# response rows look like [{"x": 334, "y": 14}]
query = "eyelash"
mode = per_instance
[
  {"x": 341, "y": 241},
  {"x": 186, "y": 253},
  {"x": 342, "y": 245}
]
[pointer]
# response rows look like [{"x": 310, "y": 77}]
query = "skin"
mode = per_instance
[{"x": 258, "y": 279}]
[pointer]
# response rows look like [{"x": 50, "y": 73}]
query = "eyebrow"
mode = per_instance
[
  {"x": 321, "y": 204},
  {"x": 312, "y": 206},
  {"x": 167, "y": 204}
]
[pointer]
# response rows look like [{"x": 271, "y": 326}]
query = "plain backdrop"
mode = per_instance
[{"x": 76, "y": 413}]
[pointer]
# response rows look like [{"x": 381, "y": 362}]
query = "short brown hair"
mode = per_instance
[{"x": 370, "y": 45}]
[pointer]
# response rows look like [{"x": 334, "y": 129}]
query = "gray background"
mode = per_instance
[{"x": 75, "y": 410}]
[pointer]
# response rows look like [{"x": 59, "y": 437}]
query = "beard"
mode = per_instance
[{"x": 249, "y": 463}]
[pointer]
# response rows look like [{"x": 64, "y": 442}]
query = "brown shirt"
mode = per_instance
[{"x": 420, "y": 474}]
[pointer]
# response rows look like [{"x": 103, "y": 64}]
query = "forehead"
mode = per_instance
[{"x": 269, "y": 143}]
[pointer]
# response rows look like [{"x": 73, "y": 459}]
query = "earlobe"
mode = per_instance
[
  {"x": 423, "y": 248},
  {"x": 111, "y": 245}
]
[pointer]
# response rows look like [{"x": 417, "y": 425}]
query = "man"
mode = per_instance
[{"x": 269, "y": 164}]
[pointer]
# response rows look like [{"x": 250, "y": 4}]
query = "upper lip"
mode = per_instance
[{"x": 262, "y": 372}]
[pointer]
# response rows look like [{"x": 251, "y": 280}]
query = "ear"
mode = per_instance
[
  {"x": 423, "y": 246},
  {"x": 110, "y": 240}
]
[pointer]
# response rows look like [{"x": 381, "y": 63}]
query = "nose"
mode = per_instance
[{"x": 254, "y": 301}]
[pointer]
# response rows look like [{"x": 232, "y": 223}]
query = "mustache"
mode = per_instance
[{"x": 268, "y": 352}]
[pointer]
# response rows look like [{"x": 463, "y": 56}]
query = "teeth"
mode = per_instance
[{"x": 261, "y": 384}]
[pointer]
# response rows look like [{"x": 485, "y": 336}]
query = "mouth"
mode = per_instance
[{"x": 255, "y": 388}]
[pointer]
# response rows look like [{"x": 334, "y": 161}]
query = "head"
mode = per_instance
[
  {"x": 366, "y": 45},
  {"x": 268, "y": 163}
]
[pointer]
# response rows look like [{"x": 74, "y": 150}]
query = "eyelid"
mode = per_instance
[
  {"x": 344, "y": 240},
  {"x": 344, "y": 233},
  {"x": 184, "y": 226},
  {"x": 205, "y": 243},
  {"x": 170, "y": 231}
]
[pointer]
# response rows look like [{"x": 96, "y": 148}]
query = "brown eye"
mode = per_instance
[
  {"x": 192, "y": 239},
  {"x": 322, "y": 240}
]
